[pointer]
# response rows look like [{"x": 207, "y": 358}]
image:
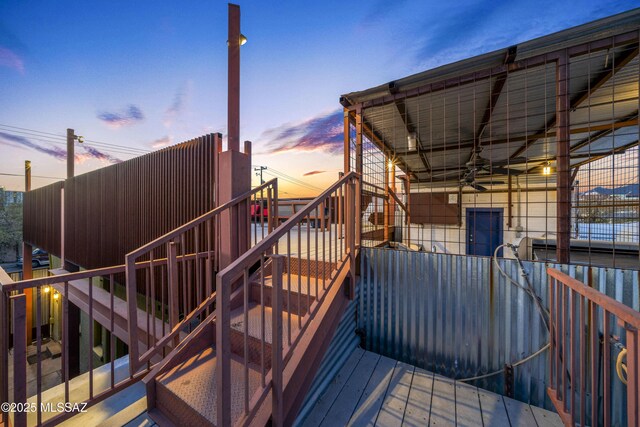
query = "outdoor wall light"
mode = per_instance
[
  {"x": 56, "y": 295},
  {"x": 390, "y": 163},
  {"x": 46, "y": 289},
  {"x": 546, "y": 170}
]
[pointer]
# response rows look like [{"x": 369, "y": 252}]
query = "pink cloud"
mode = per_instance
[
  {"x": 162, "y": 142},
  {"x": 10, "y": 59}
]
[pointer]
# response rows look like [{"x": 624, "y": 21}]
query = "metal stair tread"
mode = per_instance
[
  {"x": 304, "y": 282},
  {"x": 255, "y": 322},
  {"x": 194, "y": 383}
]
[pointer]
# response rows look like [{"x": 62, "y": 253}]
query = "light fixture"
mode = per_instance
[
  {"x": 56, "y": 295},
  {"x": 46, "y": 289},
  {"x": 242, "y": 40},
  {"x": 546, "y": 170},
  {"x": 411, "y": 141},
  {"x": 390, "y": 163}
]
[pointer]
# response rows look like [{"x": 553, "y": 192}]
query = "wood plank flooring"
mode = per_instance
[{"x": 373, "y": 390}]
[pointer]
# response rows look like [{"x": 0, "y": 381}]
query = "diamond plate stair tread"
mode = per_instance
[
  {"x": 255, "y": 322},
  {"x": 194, "y": 383}
]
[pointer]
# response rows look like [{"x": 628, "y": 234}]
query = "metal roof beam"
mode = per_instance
[{"x": 623, "y": 59}]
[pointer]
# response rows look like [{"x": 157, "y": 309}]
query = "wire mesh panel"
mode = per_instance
[{"x": 534, "y": 150}]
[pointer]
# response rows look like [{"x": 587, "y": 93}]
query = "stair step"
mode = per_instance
[
  {"x": 187, "y": 393},
  {"x": 299, "y": 284},
  {"x": 255, "y": 322}
]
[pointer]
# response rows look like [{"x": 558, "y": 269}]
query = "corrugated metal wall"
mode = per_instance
[
  {"x": 343, "y": 343},
  {"x": 113, "y": 210},
  {"x": 458, "y": 316}
]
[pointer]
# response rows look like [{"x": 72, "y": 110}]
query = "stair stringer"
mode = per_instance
[{"x": 303, "y": 365}]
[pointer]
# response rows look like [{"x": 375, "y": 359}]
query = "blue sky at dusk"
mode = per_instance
[{"x": 145, "y": 74}]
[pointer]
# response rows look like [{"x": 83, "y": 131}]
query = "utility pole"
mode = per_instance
[{"x": 259, "y": 170}]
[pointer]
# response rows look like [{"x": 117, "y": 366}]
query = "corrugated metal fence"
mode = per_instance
[{"x": 460, "y": 317}]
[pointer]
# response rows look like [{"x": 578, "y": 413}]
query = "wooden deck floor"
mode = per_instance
[{"x": 373, "y": 390}]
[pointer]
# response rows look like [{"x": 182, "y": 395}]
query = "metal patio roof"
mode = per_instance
[{"x": 504, "y": 103}]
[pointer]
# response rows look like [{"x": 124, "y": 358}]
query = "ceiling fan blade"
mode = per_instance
[
  {"x": 491, "y": 182},
  {"x": 477, "y": 186},
  {"x": 514, "y": 161},
  {"x": 505, "y": 171}
]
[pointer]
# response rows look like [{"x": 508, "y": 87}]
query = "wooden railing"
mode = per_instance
[
  {"x": 180, "y": 291},
  {"x": 302, "y": 265},
  {"x": 590, "y": 334}
]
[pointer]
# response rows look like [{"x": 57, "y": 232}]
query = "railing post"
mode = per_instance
[
  {"x": 19, "y": 306},
  {"x": 632, "y": 376},
  {"x": 4, "y": 354},
  {"x": 172, "y": 272},
  {"x": 351, "y": 225},
  {"x": 358, "y": 210},
  {"x": 269, "y": 211},
  {"x": 132, "y": 309},
  {"x": 276, "y": 342},
  {"x": 223, "y": 351}
]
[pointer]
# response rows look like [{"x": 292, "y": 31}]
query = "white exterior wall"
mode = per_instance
[{"x": 537, "y": 218}]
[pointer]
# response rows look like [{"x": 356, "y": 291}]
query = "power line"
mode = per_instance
[
  {"x": 56, "y": 138},
  {"x": 33, "y": 176}
]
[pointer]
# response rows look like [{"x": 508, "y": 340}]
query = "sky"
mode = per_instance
[{"x": 135, "y": 76}]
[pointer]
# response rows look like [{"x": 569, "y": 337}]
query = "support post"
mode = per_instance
[
  {"x": 351, "y": 203},
  {"x": 27, "y": 266},
  {"x": 71, "y": 137},
  {"x": 233, "y": 98},
  {"x": 563, "y": 168},
  {"x": 4, "y": 353},
  {"x": 358, "y": 197},
  {"x": 19, "y": 307},
  {"x": 234, "y": 167},
  {"x": 385, "y": 204},
  {"x": 276, "y": 342},
  {"x": 347, "y": 142}
]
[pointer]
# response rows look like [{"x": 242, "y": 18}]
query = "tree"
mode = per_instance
[{"x": 10, "y": 228}]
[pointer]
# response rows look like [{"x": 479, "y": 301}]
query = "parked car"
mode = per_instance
[{"x": 39, "y": 258}]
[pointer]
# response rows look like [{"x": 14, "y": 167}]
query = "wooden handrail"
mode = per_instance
[
  {"x": 614, "y": 307},
  {"x": 236, "y": 267},
  {"x": 199, "y": 220}
]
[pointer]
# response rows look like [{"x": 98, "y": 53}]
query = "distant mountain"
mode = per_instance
[{"x": 631, "y": 190}]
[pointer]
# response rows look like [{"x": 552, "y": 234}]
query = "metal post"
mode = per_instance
[
  {"x": 633, "y": 356},
  {"x": 4, "y": 354},
  {"x": 172, "y": 273},
  {"x": 347, "y": 142},
  {"x": 276, "y": 342},
  {"x": 71, "y": 136},
  {"x": 233, "y": 101},
  {"x": 563, "y": 167},
  {"x": 27, "y": 266},
  {"x": 19, "y": 307},
  {"x": 223, "y": 348},
  {"x": 351, "y": 224},
  {"x": 358, "y": 203}
]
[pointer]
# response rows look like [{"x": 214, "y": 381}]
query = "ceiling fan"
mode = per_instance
[{"x": 479, "y": 167}]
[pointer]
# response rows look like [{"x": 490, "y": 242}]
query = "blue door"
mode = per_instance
[{"x": 484, "y": 231}]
